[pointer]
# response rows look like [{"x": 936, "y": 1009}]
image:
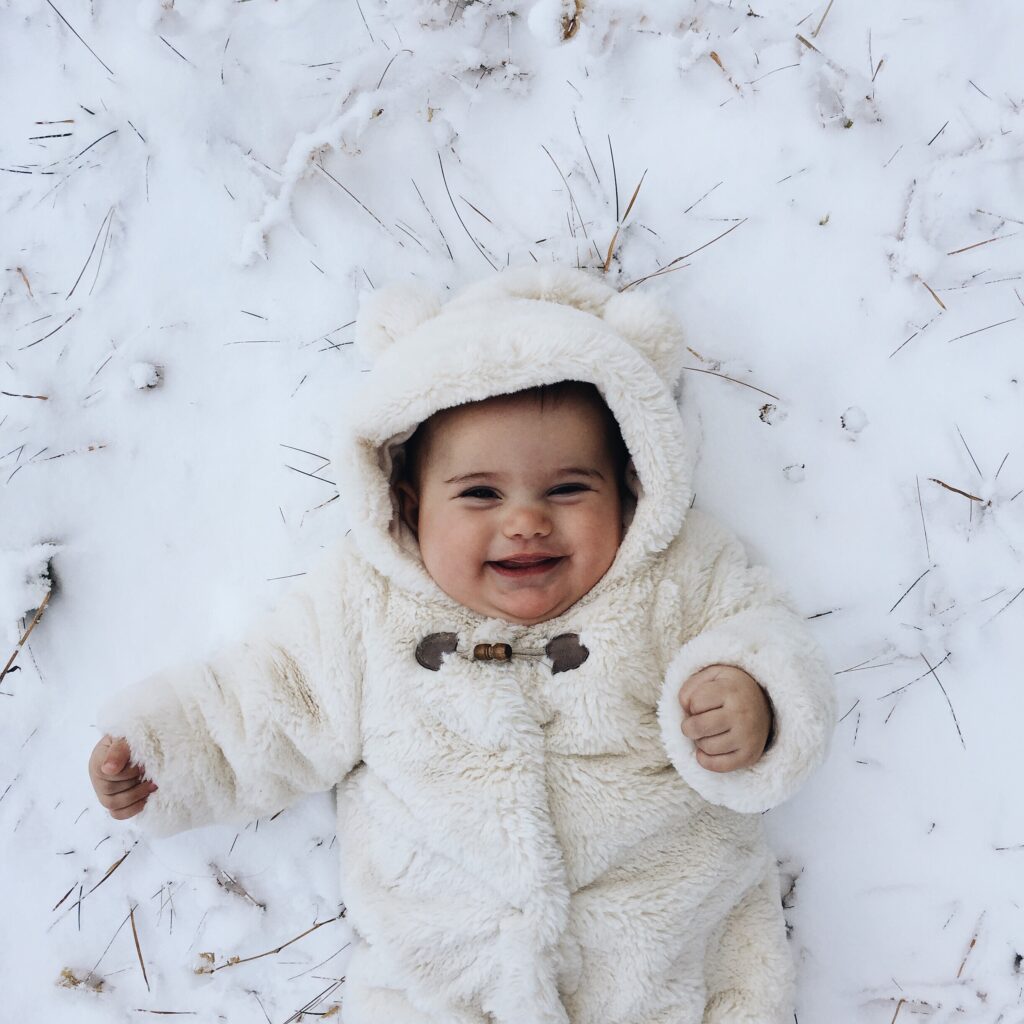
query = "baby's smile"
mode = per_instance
[{"x": 527, "y": 566}]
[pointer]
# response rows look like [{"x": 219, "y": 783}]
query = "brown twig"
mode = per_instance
[
  {"x": 53, "y": 332},
  {"x": 585, "y": 150},
  {"x": 814, "y": 34},
  {"x": 103, "y": 249},
  {"x": 302, "y": 1010},
  {"x": 980, "y": 329},
  {"x": 21, "y": 643},
  {"x": 451, "y": 255},
  {"x": 693, "y": 252},
  {"x": 697, "y": 369},
  {"x": 94, "y": 142},
  {"x": 924, "y": 526},
  {"x": 932, "y": 290},
  {"x": 64, "y": 897},
  {"x": 235, "y": 961},
  {"x": 1005, "y": 606},
  {"x": 905, "y": 686},
  {"x": 702, "y": 198},
  {"x": 178, "y": 52},
  {"x": 138, "y": 948},
  {"x": 229, "y": 882},
  {"x": 459, "y": 215},
  {"x": 80, "y": 39},
  {"x": 948, "y": 701},
  {"x": 909, "y": 589},
  {"x": 615, "y": 178},
  {"x": 718, "y": 60},
  {"x": 475, "y": 210},
  {"x": 974, "y": 940},
  {"x": 109, "y": 213},
  {"x": 967, "y": 248},
  {"x": 969, "y": 452},
  {"x": 572, "y": 199},
  {"x": 324, "y": 170},
  {"x": 668, "y": 266},
  {"x": 950, "y": 487},
  {"x": 618, "y": 227}
]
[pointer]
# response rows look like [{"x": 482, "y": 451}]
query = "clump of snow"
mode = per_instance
[
  {"x": 144, "y": 375},
  {"x": 545, "y": 21},
  {"x": 854, "y": 419},
  {"x": 24, "y": 583}
]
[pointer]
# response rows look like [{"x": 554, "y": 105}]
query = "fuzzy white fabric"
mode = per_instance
[{"x": 517, "y": 847}]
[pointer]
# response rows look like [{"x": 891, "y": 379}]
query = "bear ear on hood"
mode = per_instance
[
  {"x": 641, "y": 320},
  {"x": 390, "y": 313},
  {"x": 651, "y": 329}
]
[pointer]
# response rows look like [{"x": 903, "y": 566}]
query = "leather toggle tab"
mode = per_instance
[
  {"x": 565, "y": 651},
  {"x": 430, "y": 651}
]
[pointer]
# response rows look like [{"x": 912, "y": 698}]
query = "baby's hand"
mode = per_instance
[
  {"x": 728, "y": 717},
  {"x": 117, "y": 779}
]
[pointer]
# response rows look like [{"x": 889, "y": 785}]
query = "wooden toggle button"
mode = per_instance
[{"x": 492, "y": 652}]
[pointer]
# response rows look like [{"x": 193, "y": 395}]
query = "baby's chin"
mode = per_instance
[{"x": 529, "y": 608}]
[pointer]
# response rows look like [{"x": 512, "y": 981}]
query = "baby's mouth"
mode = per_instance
[{"x": 528, "y": 565}]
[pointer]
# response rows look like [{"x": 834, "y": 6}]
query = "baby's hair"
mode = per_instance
[{"x": 554, "y": 393}]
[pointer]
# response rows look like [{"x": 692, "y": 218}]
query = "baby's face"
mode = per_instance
[{"x": 517, "y": 507}]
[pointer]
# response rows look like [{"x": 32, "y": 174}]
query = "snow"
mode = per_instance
[{"x": 189, "y": 214}]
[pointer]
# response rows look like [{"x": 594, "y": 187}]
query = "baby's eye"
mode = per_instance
[
  {"x": 485, "y": 493},
  {"x": 569, "y": 489}
]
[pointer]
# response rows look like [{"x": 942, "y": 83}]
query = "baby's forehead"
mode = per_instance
[
  {"x": 566, "y": 421},
  {"x": 491, "y": 415}
]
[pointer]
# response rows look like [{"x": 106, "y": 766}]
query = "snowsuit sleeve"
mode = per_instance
[
  {"x": 261, "y": 721},
  {"x": 733, "y": 614}
]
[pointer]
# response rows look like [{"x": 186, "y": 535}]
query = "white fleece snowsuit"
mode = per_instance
[{"x": 518, "y": 846}]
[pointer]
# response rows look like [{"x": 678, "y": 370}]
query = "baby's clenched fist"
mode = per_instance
[
  {"x": 117, "y": 779},
  {"x": 728, "y": 717}
]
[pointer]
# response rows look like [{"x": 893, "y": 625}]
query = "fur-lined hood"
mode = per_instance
[{"x": 518, "y": 329}]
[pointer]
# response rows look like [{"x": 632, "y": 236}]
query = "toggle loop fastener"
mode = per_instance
[{"x": 565, "y": 651}]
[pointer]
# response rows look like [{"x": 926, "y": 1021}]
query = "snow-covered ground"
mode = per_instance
[{"x": 193, "y": 193}]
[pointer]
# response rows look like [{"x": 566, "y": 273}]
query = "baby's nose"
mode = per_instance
[{"x": 527, "y": 521}]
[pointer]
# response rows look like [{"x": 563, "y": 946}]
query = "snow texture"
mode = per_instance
[{"x": 834, "y": 197}]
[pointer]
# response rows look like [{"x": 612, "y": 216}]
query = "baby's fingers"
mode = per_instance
[
  {"x": 710, "y": 723},
  {"x": 118, "y": 803},
  {"x": 116, "y": 760},
  {"x": 111, "y": 761},
  {"x": 128, "y": 812},
  {"x": 720, "y": 762},
  {"x": 724, "y": 743},
  {"x": 107, "y": 789}
]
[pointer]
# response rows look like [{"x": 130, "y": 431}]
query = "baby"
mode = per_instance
[{"x": 553, "y": 696}]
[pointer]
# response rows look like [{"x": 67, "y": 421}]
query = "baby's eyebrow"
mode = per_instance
[
  {"x": 565, "y": 471},
  {"x": 472, "y": 476}
]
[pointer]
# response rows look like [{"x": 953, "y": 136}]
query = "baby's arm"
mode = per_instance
[
  {"x": 248, "y": 730},
  {"x": 735, "y": 615}
]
